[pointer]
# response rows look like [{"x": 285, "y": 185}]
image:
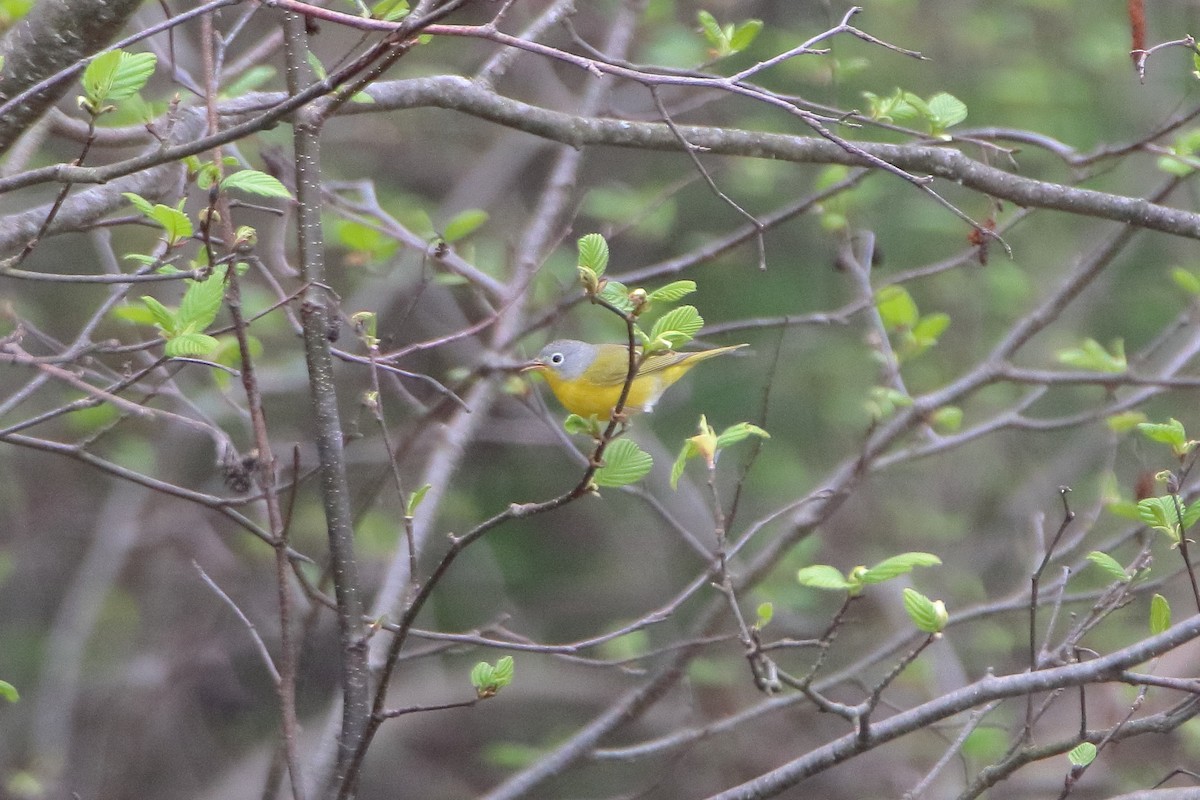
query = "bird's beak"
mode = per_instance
[{"x": 533, "y": 366}]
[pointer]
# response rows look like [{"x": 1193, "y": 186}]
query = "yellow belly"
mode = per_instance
[{"x": 590, "y": 399}]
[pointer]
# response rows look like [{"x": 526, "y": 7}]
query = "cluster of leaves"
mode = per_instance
[
  {"x": 911, "y": 335},
  {"x": 929, "y": 616},
  {"x": 725, "y": 40},
  {"x": 488, "y": 679},
  {"x": 113, "y": 76},
  {"x": 673, "y": 329},
  {"x": 1180, "y": 158},
  {"x": 184, "y": 327},
  {"x": 939, "y": 113},
  {"x": 1092, "y": 356},
  {"x": 708, "y": 444}
]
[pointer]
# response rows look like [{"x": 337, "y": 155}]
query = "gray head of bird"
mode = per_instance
[{"x": 570, "y": 358}]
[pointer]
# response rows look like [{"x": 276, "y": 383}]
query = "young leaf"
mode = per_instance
[
  {"x": 823, "y": 576},
  {"x": 743, "y": 34},
  {"x": 677, "y": 326},
  {"x": 593, "y": 253},
  {"x": 1160, "y": 614},
  {"x": 945, "y": 111},
  {"x": 624, "y": 463},
  {"x": 947, "y": 419},
  {"x": 249, "y": 80},
  {"x": 763, "y": 615},
  {"x": 736, "y": 433},
  {"x": 202, "y": 301},
  {"x": 712, "y": 29},
  {"x": 252, "y": 181},
  {"x": 190, "y": 345},
  {"x": 575, "y": 424},
  {"x": 390, "y": 10},
  {"x": 928, "y": 615},
  {"x": 1082, "y": 754},
  {"x": 1091, "y": 355},
  {"x": 1186, "y": 280},
  {"x": 688, "y": 451},
  {"x": 163, "y": 317},
  {"x": 464, "y": 224},
  {"x": 1109, "y": 564},
  {"x": 899, "y": 565},
  {"x": 1125, "y": 421},
  {"x": 617, "y": 294},
  {"x": 488, "y": 679},
  {"x": 896, "y": 308},
  {"x": 414, "y": 500},
  {"x": 144, "y": 206},
  {"x": 672, "y": 292},
  {"x": 98, "y": 77},
  {"x": 1171, "y": 433},
  {"x": 930, "y": 327},
  {"x": 9, "y": 692},
  {"x": 132, "y": 72}
]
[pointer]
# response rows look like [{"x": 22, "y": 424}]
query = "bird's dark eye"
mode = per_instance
[{"x": 557, "y": 358}]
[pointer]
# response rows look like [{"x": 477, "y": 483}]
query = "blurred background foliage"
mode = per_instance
[{"x": 173, "y": 701}]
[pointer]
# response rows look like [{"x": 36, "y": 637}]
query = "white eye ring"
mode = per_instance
[{"x": 557, "y": 358}]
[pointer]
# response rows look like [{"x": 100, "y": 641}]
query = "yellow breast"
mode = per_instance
[{"x": 581, "y": 396}]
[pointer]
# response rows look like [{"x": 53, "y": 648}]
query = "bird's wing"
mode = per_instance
[{"x": 614, "y": 374}]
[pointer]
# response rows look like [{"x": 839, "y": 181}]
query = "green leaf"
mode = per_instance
[
  {"x": 144, "y": 206},
  {"x": 736, "y": 433},
  {"x": 624, "y": 463},
  {"x": 1125, "y": 421},
  {"x": 414, "y": 500},
  {"x": 744, "y": 34},
  {"x": 9, "y": 692},
  {"x": 1082, "y": 754},
  {"x": 464, "y": 224},
  {"x": 711, "y": 28},
  {"x": 928, "y": 615},
  {"x": 390, "y": 10},
  {"x": 190, "y": 345},
  {"x": 947, "y": 419},
  {"x": 1110, "y": 566},
  {"x": 131, "y": 74},
  {"x": 931, "y": 326},
  {"x": 487, "y": 679},
  {"x": 1160, "y": 614},
  {"x": 945, "y": 111},
  {"x": 763, "y": 615},
  {"x": 1091, "y": 355},
  {"x": 253, "y": 181},
  {"x": 617, "y": 294},
  {"x": 1186, "y": 280},
  {"x": 593, "y": 253},
  {"x": 672, "y": 292},
  {"x": 1171, "y": 433},
  {"x": 249, "y": 80},
  {"x": 896, "y": 308},
  {"x": 823, "y": 576},
  {"x": 315, "y": 64},
  {"x": 98, "y": 77},
  {"x": 202, "y": 301},
  {"x": 899, "y": 565},
  {"x": 575, "y": 424},
  {"x": 1191, "y": 513},
  {"x": 687, "y": 452},
  {"x": 163, "y": 317},
  {"x": 677, "y": 326}
]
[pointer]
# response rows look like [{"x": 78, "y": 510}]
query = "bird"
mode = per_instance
[{"x": 588, "y": 378}]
